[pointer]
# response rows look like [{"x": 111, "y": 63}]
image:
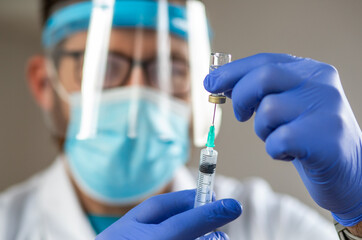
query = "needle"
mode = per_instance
[{"x": 213, "y": 119}]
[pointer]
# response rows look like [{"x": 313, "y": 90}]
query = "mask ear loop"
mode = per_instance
[
  {"x": 54, "y": 120},
  {"x": 55, "y": 82}
]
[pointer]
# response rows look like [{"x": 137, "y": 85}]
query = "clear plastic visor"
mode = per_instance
[{"x": 126, "y": 53}]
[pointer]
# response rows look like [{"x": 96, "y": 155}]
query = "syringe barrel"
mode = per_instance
[
  {"x": 205, "y": 183},
  {"x": 208, "y": 160}
]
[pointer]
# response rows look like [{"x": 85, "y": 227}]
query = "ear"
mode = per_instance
[{"x": 39, "y": 82}]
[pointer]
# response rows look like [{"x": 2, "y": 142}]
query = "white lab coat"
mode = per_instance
[{"x": 46, "y": 208}]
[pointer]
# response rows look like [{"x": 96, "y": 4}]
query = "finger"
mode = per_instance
[
  {"x": 253, "y": 87},
  {"x": 275, "y": 110},
  {"x": 215, "y": 236},
  {"x": 283, "y": 143},
  {"x": 158, "y": 208},
  {"x": 201, "y": 220},
  {"x": 225, "y": 77},
  {"x": 228, "y": 93}
]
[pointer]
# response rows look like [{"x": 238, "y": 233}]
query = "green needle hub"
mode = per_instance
[{"x": 211, "y": 137}]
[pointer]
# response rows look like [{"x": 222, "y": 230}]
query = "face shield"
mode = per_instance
[{"x": 131, "y": 76}]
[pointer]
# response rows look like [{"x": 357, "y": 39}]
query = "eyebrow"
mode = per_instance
[
  {"x": 179, "y": 56},
  {"x": 175, "y": 55}
]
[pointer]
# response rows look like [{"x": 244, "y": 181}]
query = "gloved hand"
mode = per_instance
[
  {"x": 171, "y": 216},
  {"x": 303, "y": 116}
]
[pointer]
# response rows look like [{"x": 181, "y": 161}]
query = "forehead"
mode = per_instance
[{"x": 130, "y": 42}]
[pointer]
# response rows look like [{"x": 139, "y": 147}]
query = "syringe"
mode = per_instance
[
  {"x": 208, "y": 156},
  {"x": 207, "y": 167}
]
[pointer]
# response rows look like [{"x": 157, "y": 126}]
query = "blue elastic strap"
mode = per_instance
[{"x": 127, "y": 14}]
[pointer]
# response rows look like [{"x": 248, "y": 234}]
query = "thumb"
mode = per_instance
[{"x": 201, "y": 220}]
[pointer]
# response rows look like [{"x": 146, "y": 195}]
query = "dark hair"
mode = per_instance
[
  {"x": 49, "y": 6},
  {"x": 46, "y": 6}
]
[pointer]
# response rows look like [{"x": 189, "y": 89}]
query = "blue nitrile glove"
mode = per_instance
[
  {"x": 303, "y": 115},
  {"x": 171, "y": 216}
]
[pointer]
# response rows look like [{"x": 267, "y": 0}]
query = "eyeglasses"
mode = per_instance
[{"x": 119, "y": 68}]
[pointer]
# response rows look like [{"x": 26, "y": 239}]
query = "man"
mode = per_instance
[{"x": 142, "y": 120}]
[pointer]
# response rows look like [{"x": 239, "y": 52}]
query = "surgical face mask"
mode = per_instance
[{"x": 138, "y": 146}]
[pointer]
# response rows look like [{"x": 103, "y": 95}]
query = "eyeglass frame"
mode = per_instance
[{"x": 77, "y": 55}]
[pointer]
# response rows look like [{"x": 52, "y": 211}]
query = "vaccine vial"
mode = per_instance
[{"x": 216, "y": 61}]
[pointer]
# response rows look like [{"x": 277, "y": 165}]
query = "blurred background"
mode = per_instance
[{"x": 326, "y": 30}]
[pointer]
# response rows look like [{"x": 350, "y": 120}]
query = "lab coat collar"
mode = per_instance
[{"x": 61, "y": 212}]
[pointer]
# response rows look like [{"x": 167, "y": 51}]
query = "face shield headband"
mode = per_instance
[{"x": 76, "y": 17}]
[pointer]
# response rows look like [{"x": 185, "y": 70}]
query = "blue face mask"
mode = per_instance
[{"x": 140, "y": 143}]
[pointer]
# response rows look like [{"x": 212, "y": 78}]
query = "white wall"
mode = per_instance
[{"x": 326, "y": 30}]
